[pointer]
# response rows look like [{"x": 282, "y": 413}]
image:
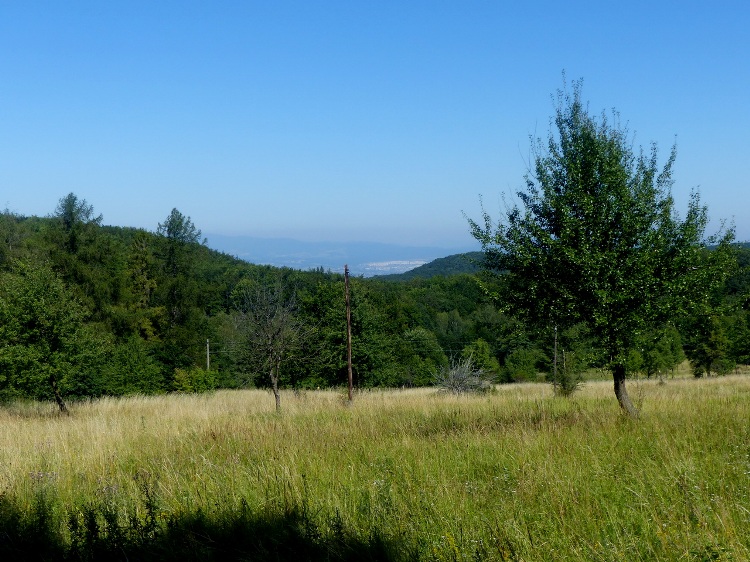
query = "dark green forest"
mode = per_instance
[{"x": 88, "y": 310}]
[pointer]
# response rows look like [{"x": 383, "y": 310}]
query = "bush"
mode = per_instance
[
  {"x": 569, "y": 377},
  {"x": 461, "y": 376},
  {"x": 522, "y": 364},
  {"x": 194, "y": 379}
]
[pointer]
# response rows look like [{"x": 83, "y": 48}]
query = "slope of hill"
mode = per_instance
[{"x": 469, "y": 262}]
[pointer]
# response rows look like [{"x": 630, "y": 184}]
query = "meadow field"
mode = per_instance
[{"x": 514, "y": 474}]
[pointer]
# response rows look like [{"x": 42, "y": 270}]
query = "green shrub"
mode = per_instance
[
  {"x": 194, "y": 379},
  {"x": 522, "y": 364}
]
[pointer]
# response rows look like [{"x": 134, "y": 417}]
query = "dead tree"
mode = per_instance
[{"x": 271, "y": 327}]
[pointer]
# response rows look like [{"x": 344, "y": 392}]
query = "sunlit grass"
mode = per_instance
[{"x": 514, "y": 474}]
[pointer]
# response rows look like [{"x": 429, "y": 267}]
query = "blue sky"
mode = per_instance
[{"x": 378, "y": 121}]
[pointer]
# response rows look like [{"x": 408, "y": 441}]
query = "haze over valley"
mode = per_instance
[{"x": 363, "y": 258}]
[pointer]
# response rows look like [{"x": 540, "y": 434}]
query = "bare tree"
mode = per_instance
[{"x": 271, "y": 327}]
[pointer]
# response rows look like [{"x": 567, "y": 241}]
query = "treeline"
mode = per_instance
[{"x": 88, "y": 310}]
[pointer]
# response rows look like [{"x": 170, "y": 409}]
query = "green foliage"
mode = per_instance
[
  {"x": 144, "y": 303},
  {"x": 76, "y": 217},
  {"x": 523, "y": 364},
  {"x": 596, "y": 237},
  {"x": 467, "y": 263},
  {"x": 194, "y": 379},
  {"x": 132, "y": 369},
  {"x": 710, "y": 348},
  {"x": 480, "y": 353},
  {"x": 422, "y": 356},
  {"x": 662, "y": 351},
  {"x": 47, "y": 346},
  {"x": 567, "y": 376},
  {"x": 10, "y": 236},
  {"x": 738, "y": 331}
]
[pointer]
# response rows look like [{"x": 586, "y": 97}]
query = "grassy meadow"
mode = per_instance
[{"x": 516, "y": 474}]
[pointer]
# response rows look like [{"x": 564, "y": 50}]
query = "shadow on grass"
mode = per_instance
[{"x": 96, "y": 533}]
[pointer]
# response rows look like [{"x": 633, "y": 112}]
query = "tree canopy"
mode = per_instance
[{"x": 595, "y": 237}]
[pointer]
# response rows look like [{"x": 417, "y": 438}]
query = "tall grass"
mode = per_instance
[{"x": 517, "y": 474}]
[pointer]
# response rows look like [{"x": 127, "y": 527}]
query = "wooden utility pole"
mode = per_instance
[
  {"x": 554, "y": 368},
  {"x": 348, "y": 330},
  {"x": 208, "y": 356}
]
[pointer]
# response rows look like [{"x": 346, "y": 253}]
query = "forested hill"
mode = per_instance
[
  {"x": 468, "y": 263},
  {"x": 471, "y": 263},
  {"x": 88, "y": 310}
]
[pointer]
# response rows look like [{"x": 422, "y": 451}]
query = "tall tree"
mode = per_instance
[
  {"x": 75, "y": 216},
  {"x": 10, "y": 235},
  {"x": 180, "y": 234},
  {"x": 595, "y": 237},
  {"x": 178, "y": 291},
  {"x": 47, "y": 350}
]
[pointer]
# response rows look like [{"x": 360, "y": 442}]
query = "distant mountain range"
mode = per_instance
[{"x": 363, "y": 258}]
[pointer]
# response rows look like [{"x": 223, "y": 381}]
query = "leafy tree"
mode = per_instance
[
  {"x": 453, "y": 331},
  {"x": 76, "y": 216},
  {"x": 85, "y": 257},
  {"x": 323, "y": 306},
  {"x": 422, "y": 357},
  {"x": 180, "y": 235},
  {"x": 195, "y": 380},
  {"x": 47, "y": 350},
  {"x": 709, "y": 348},
  {"x": 596, "y": 238},
  {"x": 479, "y": 351},
  {"x": 662, "y": 351},
  {"x": 523, "y": 364},
  {"x": 178, "y": 293},
  {"x": 131, "y": 369},
  {"x": 10, "y": 235},
  {"x": 739, "y": 337}
]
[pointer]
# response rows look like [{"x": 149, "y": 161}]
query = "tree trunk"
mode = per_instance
[
  {"x": 618, "y": 373},
  {"x": 58, "y": 397}
]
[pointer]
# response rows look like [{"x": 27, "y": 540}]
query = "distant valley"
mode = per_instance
[{"x": 363, "y": 258}]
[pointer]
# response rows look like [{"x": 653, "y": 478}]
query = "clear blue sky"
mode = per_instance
[{"x": 377, "y": 120}]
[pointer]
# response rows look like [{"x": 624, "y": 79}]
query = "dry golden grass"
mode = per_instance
[{"x": 517, "y": 471}]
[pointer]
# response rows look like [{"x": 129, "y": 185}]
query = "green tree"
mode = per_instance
[
  {"x": 131, "y": 369},
  {"x": 10, "y": 235},
  {"x": 86, "y": 257},
  {"x": 662, "y": 351},
  {"x": 322, "y": 306},
  {"x": 180, "y": 235},
  {"x": 596, "y": 238},
  {"x": 523, "y": 364},
  {"x": 739, "y": 337},
  {"x": 423, "y": 356},
  {"x": 75, "y": 216},
  {"x": 480, "y": 353},
  {"x": 709, "y": 348},
  {"x": 177, "y": 292},
  {"x": 47, "y": 349}
]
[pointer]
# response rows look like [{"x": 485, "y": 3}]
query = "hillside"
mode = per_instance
[
  {"x": 139, "y": 312},
  {"x": 151, "y": 312},
  {"x": 469, "y": 262}
]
